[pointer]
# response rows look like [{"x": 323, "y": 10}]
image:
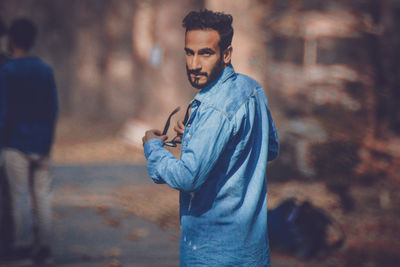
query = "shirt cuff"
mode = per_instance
[{"x": 152, "y": 145}]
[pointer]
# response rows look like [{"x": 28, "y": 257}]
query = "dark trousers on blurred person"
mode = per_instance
[{"x": 29, "y": 183}]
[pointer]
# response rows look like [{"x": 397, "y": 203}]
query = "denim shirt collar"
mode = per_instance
[{"x": 212, "y": 88}]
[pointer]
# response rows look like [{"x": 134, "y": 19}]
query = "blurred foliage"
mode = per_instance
[
  {"x": 335, "y": 161},
  {"x": 330, "y": 68}
]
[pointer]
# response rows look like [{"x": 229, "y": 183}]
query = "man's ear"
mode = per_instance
[{"x": 227, "y": 55}]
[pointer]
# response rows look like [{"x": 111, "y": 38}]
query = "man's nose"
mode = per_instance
[{"x": 195, "y": 63}]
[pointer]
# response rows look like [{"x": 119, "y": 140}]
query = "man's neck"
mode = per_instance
[{"x": 19, "y": 53}]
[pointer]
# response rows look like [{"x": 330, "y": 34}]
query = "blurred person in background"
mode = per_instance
[
  {"x": 28, "y": 109},
  {"x": 3, "y": 188},
  {"x": 226, "y": 143}
]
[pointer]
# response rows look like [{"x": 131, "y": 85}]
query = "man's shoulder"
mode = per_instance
[
  {"x": 231, "y": 93},
  {"x": 22, "y": 67},
  {"x": 236, "y": 92},
  {"x": 46, "y": 68},
  {"x": 241, "y": 87},
  {"x": 246, "y": 82},
  {"x": 43, "y": 63},
  {"x": 39, "y": 63}
]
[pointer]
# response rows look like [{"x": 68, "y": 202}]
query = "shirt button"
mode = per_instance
[{"x": 188, "y": 135}]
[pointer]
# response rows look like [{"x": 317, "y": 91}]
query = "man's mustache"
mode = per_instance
[{"x": 197, "y": 73}]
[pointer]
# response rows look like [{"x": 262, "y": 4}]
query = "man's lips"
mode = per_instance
[{"x": 198, "y": 76}]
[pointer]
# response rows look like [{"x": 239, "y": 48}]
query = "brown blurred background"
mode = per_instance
[{"x": 330, "y": 70}]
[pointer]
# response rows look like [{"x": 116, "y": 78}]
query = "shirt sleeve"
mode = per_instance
[{"x": 207, "y": 141}]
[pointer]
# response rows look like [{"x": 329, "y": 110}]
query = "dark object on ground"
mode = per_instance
[{"x": 302, "y": 229}]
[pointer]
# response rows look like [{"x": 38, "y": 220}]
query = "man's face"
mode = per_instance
[{"x": 204, "y": 61}]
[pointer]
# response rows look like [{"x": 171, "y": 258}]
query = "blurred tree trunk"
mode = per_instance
[
  {"x": 249, "y": 53},
  {"x": 158, "y": 46}
]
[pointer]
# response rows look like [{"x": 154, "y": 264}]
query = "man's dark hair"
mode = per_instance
[
  {"x": 22, "y": 33},
  {"x": 206, "y": 19}
]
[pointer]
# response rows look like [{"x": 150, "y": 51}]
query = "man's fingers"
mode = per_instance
[
  {"x": 154, "y": 131},
  {"x": 153, "y": 134},
  {"x": 178, "y": 130},
  {"x": 179, "y": 127}
]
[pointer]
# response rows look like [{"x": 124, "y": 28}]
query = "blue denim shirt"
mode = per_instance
[
  {"x": 28, "y": 105},
  {"x": 221, "y": 174}
]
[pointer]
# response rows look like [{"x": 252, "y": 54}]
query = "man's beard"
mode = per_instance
[{"x": 214, "y": 74}]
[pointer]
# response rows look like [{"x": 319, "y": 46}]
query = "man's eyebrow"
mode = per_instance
[
  {"x": 207, "y": 50},
  {"x": 187, "y": 50}
]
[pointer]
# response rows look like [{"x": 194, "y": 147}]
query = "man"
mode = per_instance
[
  {"x": 226, "y": 143},
  {"x": 28, "y": 108},
  {"x": 3, "y": 191}
]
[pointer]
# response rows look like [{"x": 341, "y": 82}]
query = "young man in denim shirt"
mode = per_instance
[{"x": 226, "y": 143}]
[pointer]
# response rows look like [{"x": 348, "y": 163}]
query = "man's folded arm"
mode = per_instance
[{"x": 198, "y": 158}]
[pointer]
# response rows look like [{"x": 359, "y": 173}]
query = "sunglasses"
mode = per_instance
[{"x": 177, "y": 139}]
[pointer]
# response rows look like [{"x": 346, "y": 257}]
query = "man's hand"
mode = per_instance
[
  {"x": 179, "y": 128},
  {"x": 153, "y": 134}
]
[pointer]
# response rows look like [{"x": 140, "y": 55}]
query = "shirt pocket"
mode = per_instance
[
  {"x": 190, "y": 125},
  {"x": 187, "y": 135}
]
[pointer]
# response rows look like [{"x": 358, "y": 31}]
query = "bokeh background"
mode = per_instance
[{"x": 330, "y": 70}]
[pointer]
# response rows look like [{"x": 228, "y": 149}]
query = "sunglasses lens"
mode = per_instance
[{"x": 170, "y": 144}]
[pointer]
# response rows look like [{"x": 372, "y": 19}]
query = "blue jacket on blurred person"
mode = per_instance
[{"x": 28, "y": 105}]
